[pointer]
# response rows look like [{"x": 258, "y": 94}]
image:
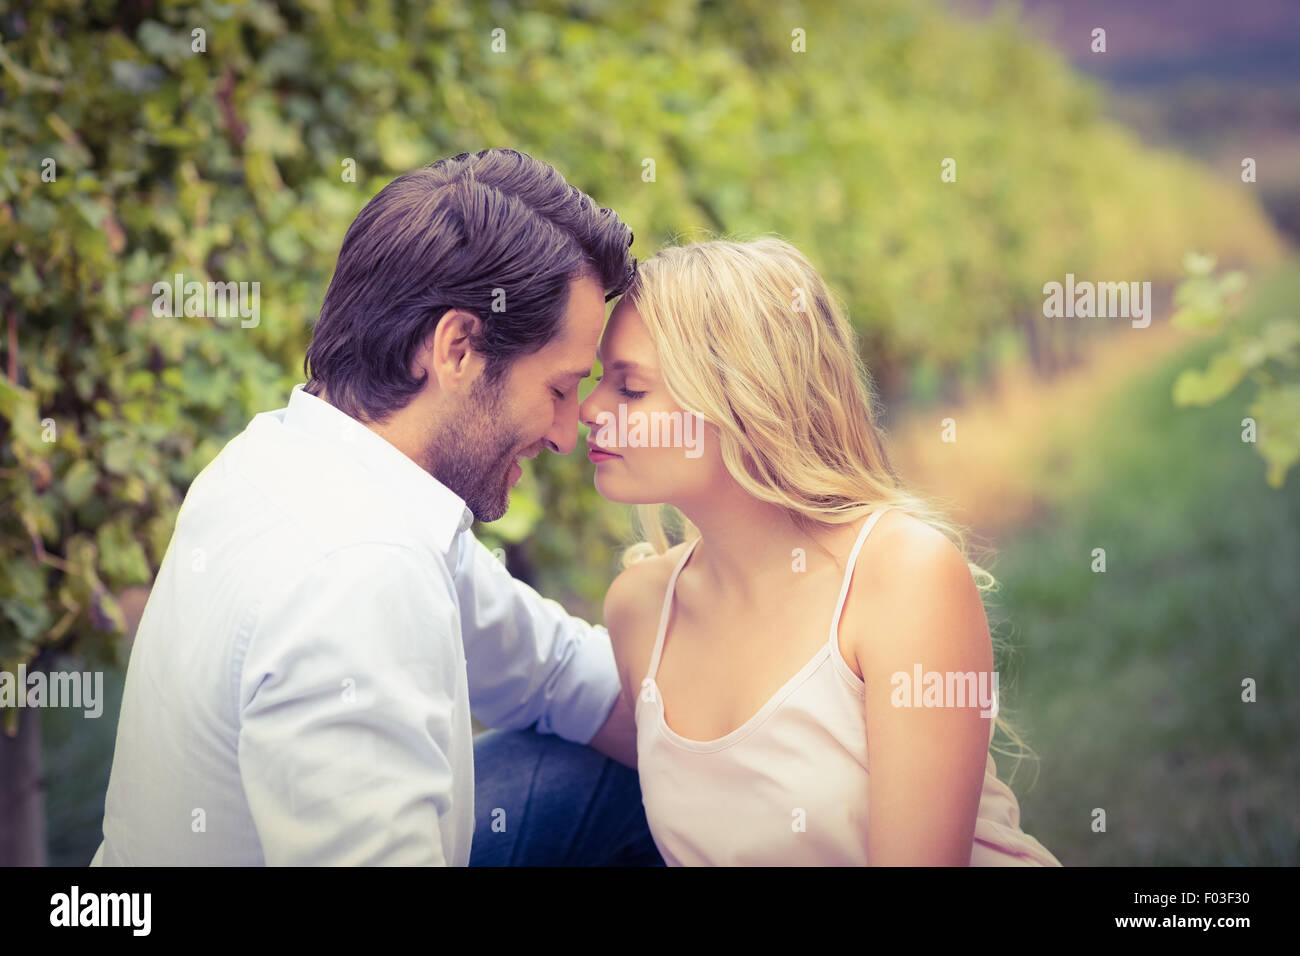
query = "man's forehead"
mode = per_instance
[{"x": 574, "y": 346}]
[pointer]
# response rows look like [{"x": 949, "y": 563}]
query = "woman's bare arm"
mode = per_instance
[{"x": 927, "y": 764}]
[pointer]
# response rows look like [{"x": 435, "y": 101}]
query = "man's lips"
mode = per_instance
[{"x": 516, "y": 470}]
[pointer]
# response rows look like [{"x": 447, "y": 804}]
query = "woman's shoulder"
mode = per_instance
[
  {"x": 899, "y": 534},
  {"x": 910, "y": 576},
  {"x": 632, "y": 608},
  {"x": 640, "y": 588}
]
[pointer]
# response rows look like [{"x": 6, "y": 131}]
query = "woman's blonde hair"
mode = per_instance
[{"x": 752, "y": 340}]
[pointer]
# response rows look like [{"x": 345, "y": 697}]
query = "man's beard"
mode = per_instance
[{"x": 472, "y": 458}]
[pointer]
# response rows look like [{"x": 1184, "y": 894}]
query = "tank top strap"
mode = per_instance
[
  {"x": 850, "y": 565},
  {"x": 667, "y": 609}
]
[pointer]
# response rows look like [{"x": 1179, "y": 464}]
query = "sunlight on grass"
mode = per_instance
[{"x": 1130, "y": 686}]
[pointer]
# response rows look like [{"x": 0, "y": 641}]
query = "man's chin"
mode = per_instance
[
  {"x": 493, "y": 510},
  {"x": 488, "y": 515}
]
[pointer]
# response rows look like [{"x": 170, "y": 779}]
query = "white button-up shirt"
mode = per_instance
[{"x": 300, "y": 686}]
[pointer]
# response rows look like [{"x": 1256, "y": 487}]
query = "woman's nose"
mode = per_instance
[{"x": 588, "y": 408}]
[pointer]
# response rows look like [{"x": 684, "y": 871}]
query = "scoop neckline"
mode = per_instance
[
  {"x": 744, "y": 730},
  {"x": 829, "y": 650}
]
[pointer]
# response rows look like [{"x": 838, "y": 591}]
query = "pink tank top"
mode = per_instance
[{"x": 788, "y": 787}]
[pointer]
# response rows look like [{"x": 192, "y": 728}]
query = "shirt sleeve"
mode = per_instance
[
  {"x": 347, "y": 713},
  {"x": 530, "y": 661}
]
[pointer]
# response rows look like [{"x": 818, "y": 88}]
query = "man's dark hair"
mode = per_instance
[{"x": 449, "y": 236}]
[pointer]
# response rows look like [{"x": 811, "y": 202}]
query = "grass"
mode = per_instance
[{"x": 1130, "y": 681}]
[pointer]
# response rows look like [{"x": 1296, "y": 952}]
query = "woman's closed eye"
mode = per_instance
[{"x": 625, "y": 391}]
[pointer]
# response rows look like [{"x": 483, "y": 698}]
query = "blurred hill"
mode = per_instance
[{"x": 1217, "y": 81}]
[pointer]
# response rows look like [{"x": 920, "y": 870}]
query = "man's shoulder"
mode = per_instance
[{"x": 279, "y": 487}]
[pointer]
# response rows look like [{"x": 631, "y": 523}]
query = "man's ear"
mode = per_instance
[{"x": 447, "y": 355}]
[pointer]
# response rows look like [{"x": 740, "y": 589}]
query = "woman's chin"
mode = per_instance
[
  {"x": 620, "y": 492},
  {"x": 608, "y": 490}
]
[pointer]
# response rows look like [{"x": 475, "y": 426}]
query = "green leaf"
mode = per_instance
[
  {"x": 122, "y": 560},
  {"x": 138, "y": 78},
  {"x": 398, "y": 141},
  {"x": 24, "y": 581},
  {"x": 79, "y": 482},
  {"x": 118, "y": 455},
  {"x": 27, "y": 284},
  {"x": 1280, "y": 338},
  {"x": 1191, "y": 387},
  {"x": 1277, "y": 410},
  {"x": 286, "y": 244},
  {"x": 31, "y": 620},
  {"x": 1231, "y": 283}
]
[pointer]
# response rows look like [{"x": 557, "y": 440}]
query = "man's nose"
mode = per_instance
[{"x": 563, "y": 436}]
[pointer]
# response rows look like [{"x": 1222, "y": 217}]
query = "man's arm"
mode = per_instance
[
  {"x": 347, "y": 713},
  {"x": 530, "y": 661},
  {"x": 617, "y": 737}
]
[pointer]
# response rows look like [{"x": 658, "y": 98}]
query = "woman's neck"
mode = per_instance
[{"x": 749, "y": 546}]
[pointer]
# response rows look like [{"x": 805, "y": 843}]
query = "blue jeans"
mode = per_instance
[{"x": 540, "y": 800}]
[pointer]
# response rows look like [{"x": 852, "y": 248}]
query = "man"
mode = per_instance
[{"x": 300, "y": 687}]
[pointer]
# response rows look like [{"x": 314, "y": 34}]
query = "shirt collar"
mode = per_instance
[{"x": 437, "y": 508}]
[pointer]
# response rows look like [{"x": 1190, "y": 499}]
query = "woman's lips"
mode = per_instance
[{"x": 597, "y": 455}]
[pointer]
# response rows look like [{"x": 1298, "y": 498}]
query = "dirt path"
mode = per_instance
[{"x": 1008, "y": 437}]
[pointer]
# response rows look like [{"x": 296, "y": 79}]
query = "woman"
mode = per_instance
[{"x": 767, "y": 657}]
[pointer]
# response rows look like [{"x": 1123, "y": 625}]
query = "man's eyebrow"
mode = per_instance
[{"x": 578, "y": 375}]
